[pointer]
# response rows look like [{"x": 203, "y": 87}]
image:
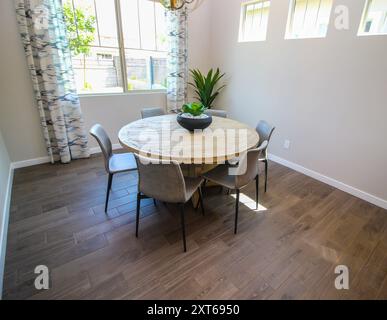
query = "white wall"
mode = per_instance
[
  {"x": 18, "y": 113},
  {"x": 5, "y": 183},
  {"x": 327, "y": 96},
  {"x": 113, "y": 112},
  {"x": 19, "y": 119}
]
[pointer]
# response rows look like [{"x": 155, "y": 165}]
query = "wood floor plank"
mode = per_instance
[{"x": 288, "y": 249}]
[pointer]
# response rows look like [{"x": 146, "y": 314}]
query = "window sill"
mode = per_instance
[
  {"x": 371, "y": 34},
  {"x": 134, "y": 92},
  {"x": 304, "y": 37},
  {"x": 251, "y": 41}
]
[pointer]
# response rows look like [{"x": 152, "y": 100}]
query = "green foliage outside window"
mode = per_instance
[{"x": 80, "y": 29}]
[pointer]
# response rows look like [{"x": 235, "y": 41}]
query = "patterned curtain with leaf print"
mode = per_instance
[
  {"x": 177, "y": 62},
  {"x": 43, "y": 33}
]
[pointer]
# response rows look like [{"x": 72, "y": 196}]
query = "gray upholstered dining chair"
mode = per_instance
[
  {"x": 164, "y": 181},
  {"x": 152, "y": 112},
  {"x": 216, "y": 113},
  {"x": 265, "y": 131},
  {"x": 245, "y": 172},
  {"x": 114, "y": 163}
]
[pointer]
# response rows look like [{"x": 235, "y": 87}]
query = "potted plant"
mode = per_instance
[
  {"x": 192, "y": 117},
  {"x": 206, "y": 86}
]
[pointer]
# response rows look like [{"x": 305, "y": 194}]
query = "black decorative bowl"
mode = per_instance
[{"x": 193, "y": 124}]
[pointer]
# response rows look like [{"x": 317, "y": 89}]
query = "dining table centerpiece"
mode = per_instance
[{"x": 192, "y": 117}]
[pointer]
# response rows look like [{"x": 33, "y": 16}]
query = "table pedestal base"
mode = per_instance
[{"x": 195, "y": 171}]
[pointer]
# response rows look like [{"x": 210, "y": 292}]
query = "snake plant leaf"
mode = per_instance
[{"x": 205, "y": 86}]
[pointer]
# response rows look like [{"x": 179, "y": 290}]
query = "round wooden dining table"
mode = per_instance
[
  {"x": 197, "y": 152},
  {"x": 163, "y": 138}
]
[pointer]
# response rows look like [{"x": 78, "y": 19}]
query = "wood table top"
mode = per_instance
[{"x": 163, "y": 138}]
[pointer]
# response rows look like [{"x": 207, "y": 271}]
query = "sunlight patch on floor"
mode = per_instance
[
  {"x": 327, "y": 253},
  {"x": 250, "y": 203}
]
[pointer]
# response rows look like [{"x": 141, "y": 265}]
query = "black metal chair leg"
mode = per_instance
[
  {"x": 138, "y": 213},
  {"x": 266, "y": 170},
  {"x": 154, "y": 202},
  {"x": 257, "y": 191},
  {"x": 201, "y": 200},
  {"x": 236, "y": 212},
  {"x": 183, "y": 226},
  {"x": 109, "y": 186}
]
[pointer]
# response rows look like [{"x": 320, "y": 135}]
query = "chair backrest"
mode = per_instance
[
  {"x": 265, "y": 131},
  {"x": 104, "y": 142},
  {"x": 152, "y": 112},
  {"x": 216, "y": 113},
  {"x": 161, "y": 180},
  {"x": 248, "y": 166}
]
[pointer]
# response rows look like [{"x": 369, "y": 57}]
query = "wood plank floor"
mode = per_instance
[{"x": 286, "y": 250}]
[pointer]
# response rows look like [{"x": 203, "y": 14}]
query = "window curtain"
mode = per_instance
[
  {"x": 177, "y": 62},
  {"x": 43, "y": 33}
]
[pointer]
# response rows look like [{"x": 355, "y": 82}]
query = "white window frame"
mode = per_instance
[
  {"x": 242, "y": 20},
  {"x": 363, "y": 21},
  {"x": 289, "y": 24},
  {"x": 121, "y": 48}
]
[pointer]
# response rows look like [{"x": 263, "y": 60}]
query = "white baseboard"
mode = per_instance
[
  {"x": 318, "y": 176},
  {"x": 41, "y": 160},
  {"x": 4, "y": 227},
  {"x": 29, "y": 163},
  {"x": 95, "y": 150},
  {"x": 332, "y": 182}
]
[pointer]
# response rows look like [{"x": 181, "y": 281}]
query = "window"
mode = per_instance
[
  {"x": 254, "y": 20},
  {"x": 308, "y": 19},
  {"x": 117, "y": 45},
  {"x": 374, "y": 19}
]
